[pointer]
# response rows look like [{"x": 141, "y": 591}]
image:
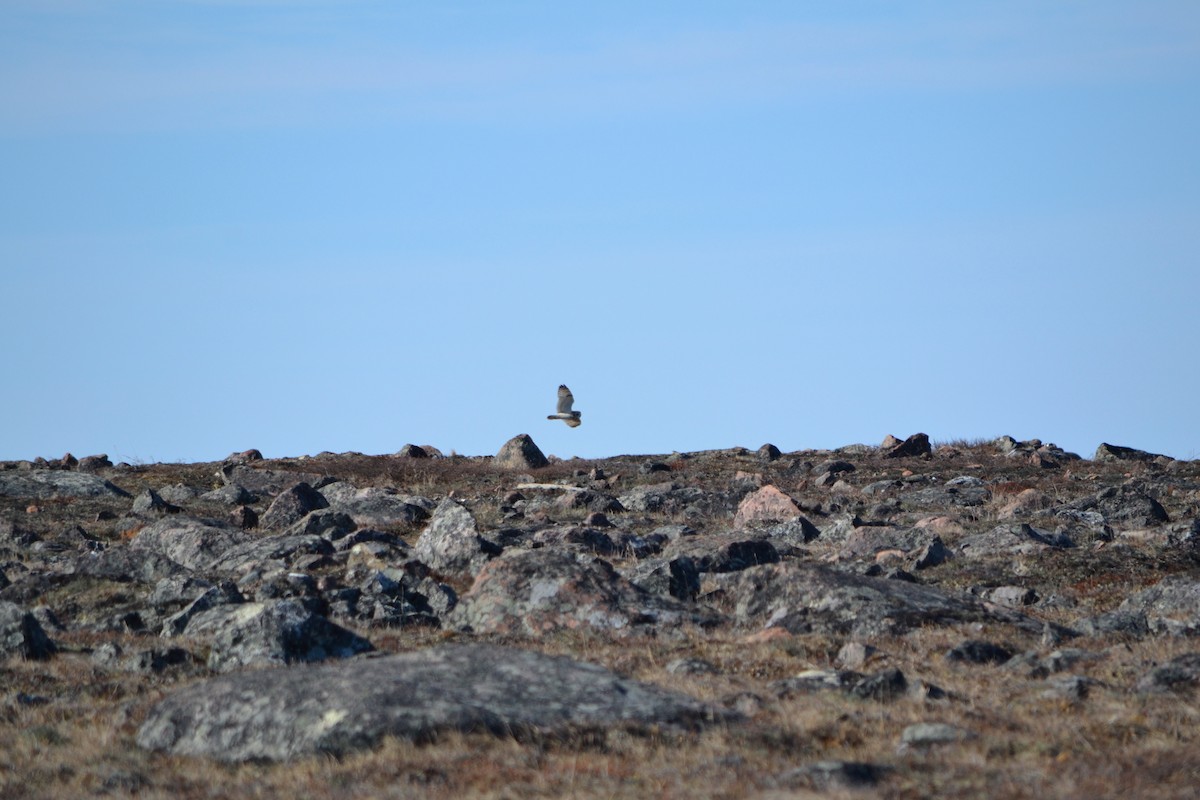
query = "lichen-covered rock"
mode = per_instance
[
  {"x": 540, "y": 591},
  {"x": 292, "y": 505},
  {"x": 1171, "y": 606},
  {"x": 451, "y": 542},
  {"x": 190, "y": 542},
  {"x": 803, "y": 597},
  {"x": 42, "y": 484},
  {"x": 338, "y": 708},
  {"x": 374, "y": 507},
  {"x": 279, "y": 632},
  {"x": 21, "y": 634}
]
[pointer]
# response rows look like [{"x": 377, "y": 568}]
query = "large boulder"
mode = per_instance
[
  {"x": 451, "y": 542},
  {"x": 279, "y": 632},
  {"x": 292, "y": 505},
  {"x": 520, "y": 453},
  {"x": 1171, "y": 606},
  {"x": 534, "y": 592},
  {"x": 766, "y": 505},
  {"x": 804, "y": 597},
  {"x": 21, "y": 635},
  {"x": 374, "y": 507},
  {"x": 46, "y": 483},
  {"x": 341, "y": 707},
  {"x": 187, "y": 541}
]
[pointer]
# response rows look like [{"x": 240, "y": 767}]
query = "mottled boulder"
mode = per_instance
[
  {"x": 535, "y": 592},
  {"x": 151, "y": 502},
  {"x": 412, "y": 451},
  {"x": 451, "y": 542},
  {"x": 723, "y": 552},
  {"x": 265, "y": 481},
  {"x": 338, "y": 708},
  {"x": 678, "y": 577},
  {"x": 190, "y": 542},
  {"x": 121, "y": 562},
  {"x": 1180, "y": 674},
  {"x": 1171, "y": 606},
  {"x": 21, "y": 635},
  {"x": 803, "y": 597},
  {"x": 1112, "y": 452},
  {"x": 268, "y": 551},
  {"x": 373, "y": 507},
  {"x": 520, "y": 453},
  {"x": 43, "y": 484},
  {"x": 292, "y": 505},
  {"x": 1126, "y": 506},
  {"x": 1012, "y": 538},
  {"x": 279, "y": 632},
  {"x": 664, "y": 498},
  {"x": 766, "y": 505}
]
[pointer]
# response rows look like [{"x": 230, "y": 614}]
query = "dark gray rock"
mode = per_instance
[
  {"x": 291, "y": 506},
  {"x": 451, "y": 543},
  {"x": 1177, "y": 675},
  {"x": 120, "y": 562},
  {"x": 195, "y": 617},
  {"x": 265, "y": 481},
  {"x": 1126, "y": 506},
  {"x": 1125, "y": 623},
  {"x": 912, "y": 447},
  {"x": 192, "y": 543},
  {"x": 177, "y": 590},
  {"x": 883, "y": 686},
  {"x": 374, "y": 507},
  {"x": 520, "y": 453},
  {"x": 412, "y": 451},
  {"x": 326, "y": 522},
  {"x": 276, "y": 633},
  {"x": 42, "y": 484},
  {"x": 341, "y": 707},
  {"x": 1171, "y": 606},
  {"x": 1012, "y": 538},
  {"x": 723, "y": 552},
  {"x": 948, "y": 496},
  {"x": 803, "y": 597},
  {"x": 583, "y": 538},
  {"x": 1112, "y": 452},
  {"x": 826, "y": 775},
  {"x": 94, "y": 463},
  {"x": 665, "y": 498},
  {"x": 535, "y": 592},
  {"x": 977, "y": 651},
  {"x": 150, "y": 501},
  {"x": 21, "y": 635},
  {"x": 267, "y": 552},
  {"x": 231, "y": 494},
  {"x": 677, "y": 577}
]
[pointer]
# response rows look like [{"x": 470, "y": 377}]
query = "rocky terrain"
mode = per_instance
[{"x": 985, "y": 619}]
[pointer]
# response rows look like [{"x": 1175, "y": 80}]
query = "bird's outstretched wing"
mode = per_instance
[{"x": 565, "y": 399}]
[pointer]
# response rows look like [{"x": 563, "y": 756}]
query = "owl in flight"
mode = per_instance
[{"x": 565, "y": 401}]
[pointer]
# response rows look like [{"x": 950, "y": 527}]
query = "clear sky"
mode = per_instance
[{"x": 347, "y": 225}]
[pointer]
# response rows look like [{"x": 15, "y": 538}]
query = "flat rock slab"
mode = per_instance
[
  {"x": 802, "y": 598},
  {"x": 43, "y": 484},
  {"x": 336, "y": 708}
]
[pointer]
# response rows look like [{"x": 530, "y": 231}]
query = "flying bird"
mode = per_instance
[{"x": 565, "y": 401}]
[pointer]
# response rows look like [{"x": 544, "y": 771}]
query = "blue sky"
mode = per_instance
[{"x": 308, "y": 226}]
